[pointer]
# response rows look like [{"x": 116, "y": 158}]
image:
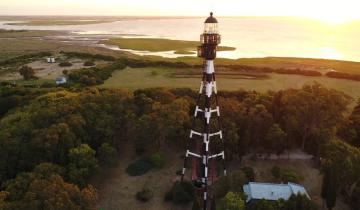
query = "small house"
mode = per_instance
[
  {"x": 61, "y": 80},
  {"x": 272, "y": 192},
  {"x": 50, "y": 60}
]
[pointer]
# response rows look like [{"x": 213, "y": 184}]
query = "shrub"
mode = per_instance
[
  {"x": 290, "y": 176},
  {"x": 168, "y": 196},
  {"x": 89, "y": 63},
  {"x": 139, "y": 167},
  {"x": 232, "y": 182},
  {"x": 144, "y": 195},
  {"x": 276, "y": 172},
  {"x": 196, "y": 205},
  {"x": 48, "y": 85},
  {"x": 249, "y": 172},
  {"x": 221, "y": 187},
  {"x": 157, "y": 160},
  {"x": 232, "y": 201},
  {"x": 236, "y": 181},
  {"x": 181, "y": 193},
  {"x": 65, "y": 64},
  {"x": 27, "y": 72}
]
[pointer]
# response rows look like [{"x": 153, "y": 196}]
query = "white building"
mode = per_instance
[
  {"x": 272, "y": 192},
  {"x": 61, "y": 80},
  {"x": 50, "y": 60}
]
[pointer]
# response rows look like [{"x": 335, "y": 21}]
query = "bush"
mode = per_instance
[
  {"x": 249, "y": 172},
  {"x": 139, "y": 167},
  {"x": 290, "y": 176},
  {"x": 181, "y": 193},
  {"x": 48, "y": 85},
  {"x": 221, "y": 187},
  {"x": 168, "y": 196},
  {"x": 196, "y": 205},
  {"x": 232, "y": 201},
  {"x": 27, "y": 72},
  {"x": 89, "y": 63},
  {"x": 276, "y": 172},
  {"x": 65, "y": 64},
  {"x": 157, "y": 160},
  {"x": 144, "y": 195}
]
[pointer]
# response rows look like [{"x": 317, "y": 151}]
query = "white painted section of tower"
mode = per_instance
[
  {"x": 207, "y": 116},
  {"x": 209, "y": 88},
  {"x": 192, "y": 132},
  {"x": 201, "y": 87},
  {"x": 197, "y": 109},
  {"x": 206, "y": 171},
  {"x": 192, "y": 154},
  {"x": 209, "y": 68},
  {"x": 217, "y": 133}
]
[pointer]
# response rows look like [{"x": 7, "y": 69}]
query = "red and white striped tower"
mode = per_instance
[{"x": 205, "y": 147}]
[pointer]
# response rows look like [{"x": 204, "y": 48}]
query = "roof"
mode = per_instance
[
  {"x": 211, "y": 19},
  {"x": 272, "y": 192}
]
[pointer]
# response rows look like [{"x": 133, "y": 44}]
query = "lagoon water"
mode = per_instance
[{"x": 252, "y": 36}]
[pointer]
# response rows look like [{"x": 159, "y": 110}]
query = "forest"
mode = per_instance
[{"x": 53, "y": 140}]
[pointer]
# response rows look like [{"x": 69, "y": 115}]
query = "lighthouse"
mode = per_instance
[{"x": 205, "y": 150}]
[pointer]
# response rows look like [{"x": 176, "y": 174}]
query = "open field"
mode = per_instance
[
  {"x": 28, "y": 33},
  {"x": 158, "y": 45},
  {"x": 135, "y": 78}
]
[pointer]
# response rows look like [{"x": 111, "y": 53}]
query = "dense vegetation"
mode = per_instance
[{"x": 62, "y": 137}]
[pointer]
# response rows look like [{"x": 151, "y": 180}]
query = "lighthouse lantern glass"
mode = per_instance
[{"x": 211, "y": 28}]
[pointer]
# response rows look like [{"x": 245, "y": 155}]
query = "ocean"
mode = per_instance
[{"x": 252, "y": 36}]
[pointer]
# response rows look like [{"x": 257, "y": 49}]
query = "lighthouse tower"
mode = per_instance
[{"x": 205, "y": 153}]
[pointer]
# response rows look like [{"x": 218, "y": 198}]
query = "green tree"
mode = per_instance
[
  {"x": 27, "y": 72},
  {"x": 355, "y": 198},
  {"x": 107, "y": 154},
  {"x": 232, "y": 201},
  {"x": 82, "y": 164},
  {"x": 261, "y": 205},
  {"x": 276, "y": 139},
  {"x": 299, "y": 202},
  {"x": 311, "y": 110},
  {"x": 341, "y": 169},
  {"x": 46, "y": 191}
]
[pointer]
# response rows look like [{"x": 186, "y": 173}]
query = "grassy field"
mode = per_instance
[
  {"x": 135, "y": 78},
  {"x": 158, "y": 45}
]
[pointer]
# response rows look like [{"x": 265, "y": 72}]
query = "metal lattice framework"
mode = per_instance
[{"x": 206, "y": 145}]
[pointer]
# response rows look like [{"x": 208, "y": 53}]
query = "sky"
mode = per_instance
[{"x": 332, "y": 10}]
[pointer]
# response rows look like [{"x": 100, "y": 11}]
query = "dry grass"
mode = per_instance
[
  {"x": 136, "y": 78},
  {"x": 117, "y": 189}
]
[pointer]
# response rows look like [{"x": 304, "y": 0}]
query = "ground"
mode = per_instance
[
  {"x": 134, "y": 78},
  {"x": 117, "y": 189},
  {"x": 48, "y": 71}
]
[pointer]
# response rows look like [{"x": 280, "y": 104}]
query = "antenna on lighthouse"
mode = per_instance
[{"x": 200, "y": 148}]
